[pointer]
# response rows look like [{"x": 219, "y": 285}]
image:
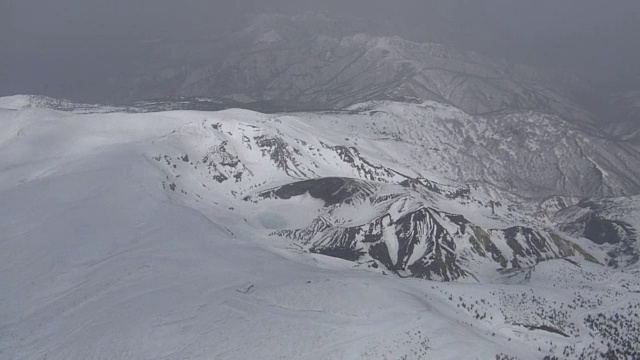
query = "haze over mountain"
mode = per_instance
[
  {"x": 88, "y": 51},
  {"x": 319, "y": 180}
]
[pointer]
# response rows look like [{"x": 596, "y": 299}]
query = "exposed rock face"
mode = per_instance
[
  {"x": 365, "y": 179},
  {"x": 611, "y": 222},
  {"x": 408, "y": 237}
]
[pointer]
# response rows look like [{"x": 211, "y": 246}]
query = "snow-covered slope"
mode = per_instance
[
  {"x": 611, "y": 222},
  {"x": 173, "y": 235},
  {"x": 624, "y": 113},
  {"x": 528, "y": 153},
  {"x": 404, "y": 230},
  {"x": 19, "y": 102}
]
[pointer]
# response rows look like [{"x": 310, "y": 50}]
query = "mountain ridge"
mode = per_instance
[{"x": 184, "y": 226}]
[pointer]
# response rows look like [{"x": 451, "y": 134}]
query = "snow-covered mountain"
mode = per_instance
[
  {"x": 398, "y": 230},
  {"x": 624, "y": 111},
  {"x": 312, "y": 61},
  {"x": 236, "y": 234},
  {"x": 611, "y": 222}
]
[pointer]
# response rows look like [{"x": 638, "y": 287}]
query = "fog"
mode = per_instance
[{"x": 50, "y": 45}]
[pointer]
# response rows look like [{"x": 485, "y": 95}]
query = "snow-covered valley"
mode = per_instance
[{"x": 236, "y": 234}]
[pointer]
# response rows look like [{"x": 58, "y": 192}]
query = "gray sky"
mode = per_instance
[
  {"x": 535, "y": 18},
  {"x": 598, "y": 35}
]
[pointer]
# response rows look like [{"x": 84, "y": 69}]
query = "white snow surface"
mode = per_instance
[{"x": 101, "y": 259}]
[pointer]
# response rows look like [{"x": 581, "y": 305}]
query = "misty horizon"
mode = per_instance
[{"x": 109, "y": 52}]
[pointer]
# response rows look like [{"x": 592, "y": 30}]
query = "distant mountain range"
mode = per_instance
[
  {"x": 315, "y": 62},
  {"x": 310, "y": 61}
]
